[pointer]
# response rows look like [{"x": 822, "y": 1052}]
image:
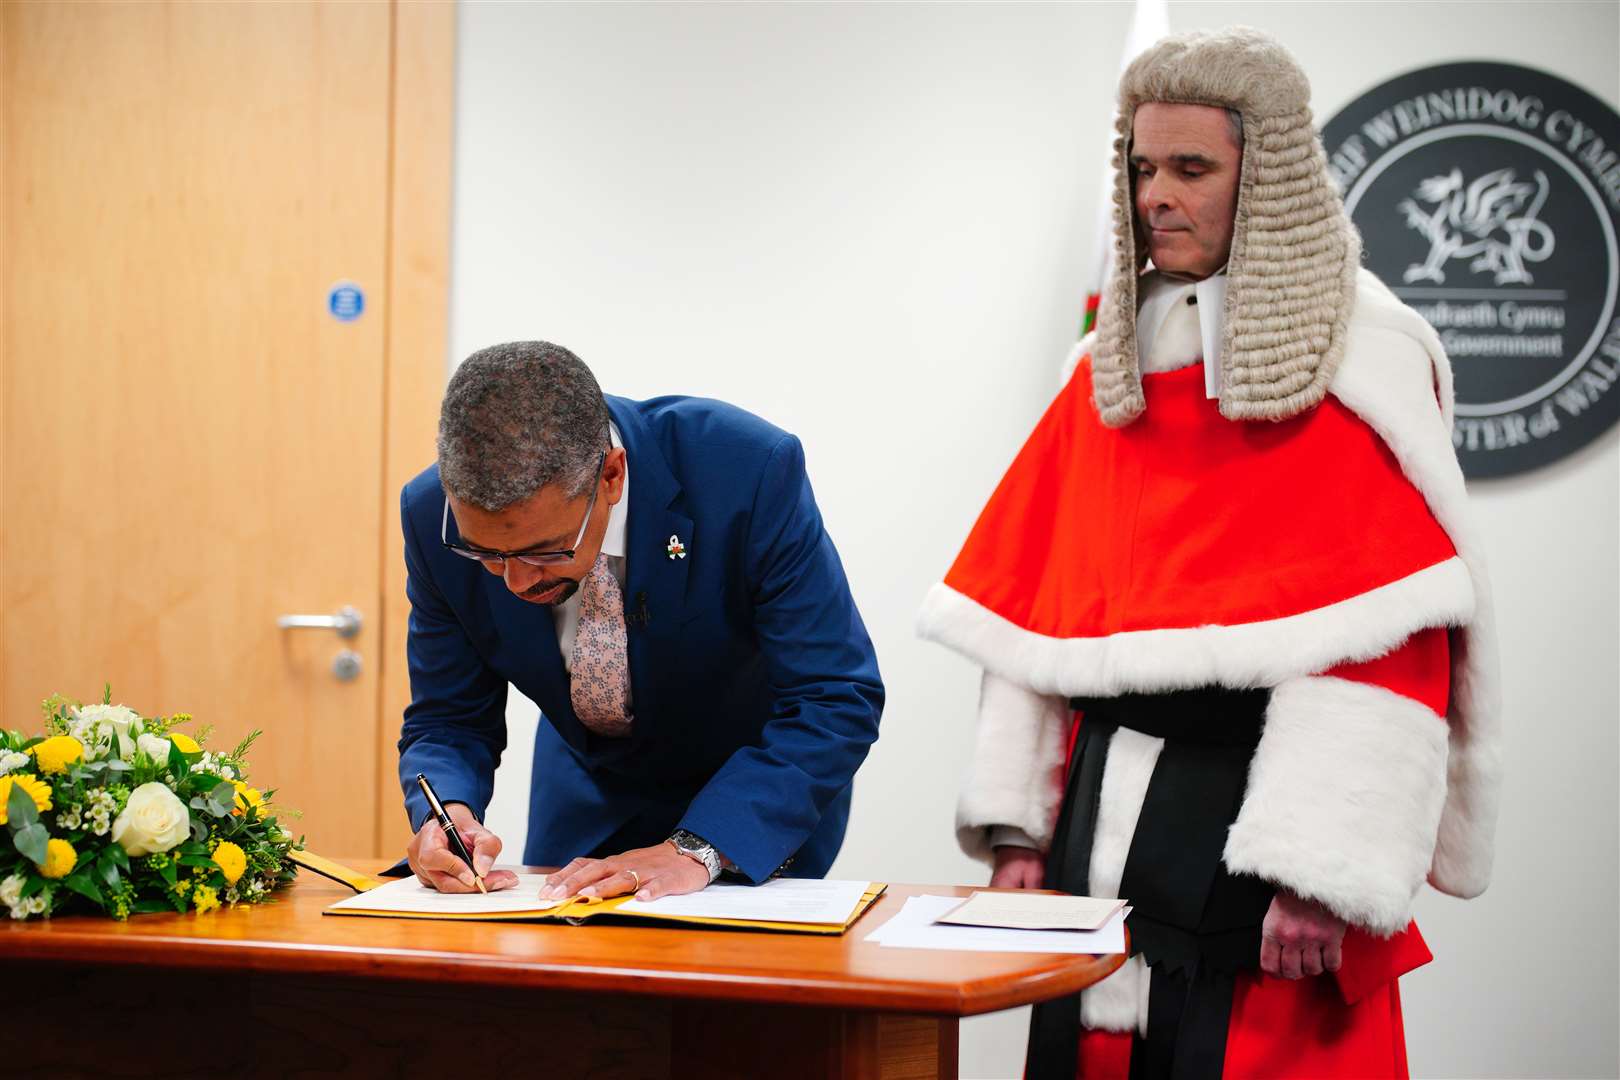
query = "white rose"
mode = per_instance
[
  {"x": 11, "y": 759},
  {"x": 115, "y": 718},
  {"x": 108, "y": 725},
  {"x": 154, "y": 820},
  {"x": 156, "y": 747}
]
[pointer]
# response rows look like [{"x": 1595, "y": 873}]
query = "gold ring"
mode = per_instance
[{"x": 634, "y": 877}]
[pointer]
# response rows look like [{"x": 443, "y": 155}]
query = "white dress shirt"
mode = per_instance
[{"x": 1179, "y": 324}]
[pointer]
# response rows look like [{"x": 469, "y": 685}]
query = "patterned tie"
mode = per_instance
[{"x": 600, "y": 670}]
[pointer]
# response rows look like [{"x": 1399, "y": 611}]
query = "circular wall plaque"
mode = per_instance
[{"x": 1488, "y": 198}]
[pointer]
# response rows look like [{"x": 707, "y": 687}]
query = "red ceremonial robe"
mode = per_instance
[{"x": 1188, "y": 550}]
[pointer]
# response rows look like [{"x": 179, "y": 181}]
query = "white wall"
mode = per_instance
[{"x": 873, "y": 225}]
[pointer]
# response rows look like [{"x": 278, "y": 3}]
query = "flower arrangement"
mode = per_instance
[{"x": 120, "y": 813}]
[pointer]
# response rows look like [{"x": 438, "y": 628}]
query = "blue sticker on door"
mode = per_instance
[{"x": 346, "y": 301}]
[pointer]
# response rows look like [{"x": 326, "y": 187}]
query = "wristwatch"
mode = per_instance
[{"x": 694, "y": 846}]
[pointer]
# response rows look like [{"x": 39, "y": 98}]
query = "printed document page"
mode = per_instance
[
  {"x": 1033, "y": 911},
  {"x": 410, "y": 896},
  {"x": 791, "y": 900},
  {"x": 916, "y": 927}
]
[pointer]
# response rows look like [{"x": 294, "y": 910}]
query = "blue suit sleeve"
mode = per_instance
[
  {"x": 455, "y": 725},
  {"x": 768, "y": 797}
]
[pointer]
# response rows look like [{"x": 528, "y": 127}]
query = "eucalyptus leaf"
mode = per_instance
[
  {"x": 117, "y": 765},
  {"x": 31, "y": 842},
  {"x": 20, "y": 810},
  {"x": 199, "y": 831},
  {"x": 201, "y": 804},
  {"x": 206, "y": 781},
  {"x": 222, "y": 799}
]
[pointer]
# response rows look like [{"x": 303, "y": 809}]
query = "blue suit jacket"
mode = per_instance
[{"x": 755, "y": 685}]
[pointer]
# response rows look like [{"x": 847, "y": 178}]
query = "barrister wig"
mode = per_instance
[{"x": 1291, "y": 277}]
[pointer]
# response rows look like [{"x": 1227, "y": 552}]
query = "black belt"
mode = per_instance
[{"x": 1195, "y": 925}]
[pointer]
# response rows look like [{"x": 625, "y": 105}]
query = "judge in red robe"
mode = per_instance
[{"x": 1239, "y": 660}]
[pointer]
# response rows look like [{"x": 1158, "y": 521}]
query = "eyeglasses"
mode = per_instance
[{"x": 497, "y": 559}]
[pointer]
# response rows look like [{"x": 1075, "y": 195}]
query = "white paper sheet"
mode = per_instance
[
  {"x": 795, "y": 900},
  {"x": 913, "y": 927},
  {"x": 410, "y": 896},
  {"x": 1023, "y": 910}
]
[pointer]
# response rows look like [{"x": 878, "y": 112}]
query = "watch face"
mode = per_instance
[{"x": 699, "y": 849}]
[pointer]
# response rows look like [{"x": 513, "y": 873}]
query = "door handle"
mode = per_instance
[{"x": 346, "y": 622}]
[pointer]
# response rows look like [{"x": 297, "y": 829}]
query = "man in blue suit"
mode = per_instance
[{"x": 656, "y": 576}]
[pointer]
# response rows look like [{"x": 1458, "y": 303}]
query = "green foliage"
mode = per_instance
[{"x": 88, "y": 795}]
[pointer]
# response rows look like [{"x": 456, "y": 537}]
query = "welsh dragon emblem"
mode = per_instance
[{"x": 1491, "y": 221}]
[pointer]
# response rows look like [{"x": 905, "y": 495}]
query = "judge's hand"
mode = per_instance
[
  {"x": 438, "y": 867},
  {"x": 1300, "y": 937},
  {"x": 649, "y": 872},
  {"x": 1018, "y": 868}
]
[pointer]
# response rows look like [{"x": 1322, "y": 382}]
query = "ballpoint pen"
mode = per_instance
[{"x": 449, "y": 828}]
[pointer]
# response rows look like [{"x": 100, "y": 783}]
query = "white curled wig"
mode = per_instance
[{"x": 1291, "y": 278}]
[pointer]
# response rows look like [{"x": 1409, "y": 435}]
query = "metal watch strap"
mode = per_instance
[{"x": 693, "y": 846}]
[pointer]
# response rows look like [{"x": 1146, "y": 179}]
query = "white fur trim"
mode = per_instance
[
  {"x": 1132, "y": 757},
  {"x": 1012, "y": 836},
  {"x": 1242, "y": 655},
  {"x": 1344, "y": 798},
  {"x": 1119, "y": 1002},
  {"x": 1394, "y": 370},
  {"x": 1017, "y": 773}
]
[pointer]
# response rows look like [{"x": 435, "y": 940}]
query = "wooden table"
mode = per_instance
[{"x": 279, "y": 990}]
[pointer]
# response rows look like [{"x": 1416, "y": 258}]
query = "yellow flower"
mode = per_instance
[
  {"x": 246, "y": 797},
  {"x": 185, "y": 742},
  {"x": 56, "y": 753},
  {"x": 231, "y": 860},
  {"x": 205, "y": 898},
  {"x": 38, "y": 789},
  {"x": 60, "y": 858}
]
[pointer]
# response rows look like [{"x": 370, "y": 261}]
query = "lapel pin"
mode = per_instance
[{"x": 676, "y": 549}]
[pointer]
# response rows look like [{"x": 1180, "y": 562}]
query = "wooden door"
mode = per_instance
[{"x": 193, "y": 443}]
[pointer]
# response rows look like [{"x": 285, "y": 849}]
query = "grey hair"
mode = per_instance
[
  {"x": 516, "y": 418},
  {"x": 1234, "y": 120}
]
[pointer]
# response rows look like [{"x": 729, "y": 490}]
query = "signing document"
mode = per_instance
[{"x": 802, "y": 905}]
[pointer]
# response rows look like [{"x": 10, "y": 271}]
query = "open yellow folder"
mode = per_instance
[
  {"x": 339, "y": 873},
  {"x": 788, "y": 905}
]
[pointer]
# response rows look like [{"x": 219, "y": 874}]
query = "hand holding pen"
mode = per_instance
[{"x": 457, "y": 854}]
